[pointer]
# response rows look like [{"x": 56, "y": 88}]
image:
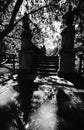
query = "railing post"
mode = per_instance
[
  {"x": 14, "y": 63},
  {"x": 80, "y": 62}
]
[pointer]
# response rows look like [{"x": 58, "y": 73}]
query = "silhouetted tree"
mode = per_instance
[{"x": 55, "y": 9}]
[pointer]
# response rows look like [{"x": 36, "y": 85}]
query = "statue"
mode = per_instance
[
  {"x": 69, "y": 17},
  {"x": 68, "y": 39},
  {"x": 67, "y": 53},
  {"x": 26, "y": 34}
]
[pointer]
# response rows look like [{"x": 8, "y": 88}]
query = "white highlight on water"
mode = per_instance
[{"x": 44, "y": 118}]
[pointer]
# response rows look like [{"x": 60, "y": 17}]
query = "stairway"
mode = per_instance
[{"x": 46, "y": 65}]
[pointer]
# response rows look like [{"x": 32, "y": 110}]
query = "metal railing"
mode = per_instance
[{"x": 9, "y": 61}]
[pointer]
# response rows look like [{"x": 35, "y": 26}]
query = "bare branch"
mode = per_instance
[
  {"x": 16, "y": 8},
  {"x": 11, "y": 23},
  {"x": 13, "y": 37},
  {"x": 6, "y": 6},
  {"x": 31, "y": 12}
]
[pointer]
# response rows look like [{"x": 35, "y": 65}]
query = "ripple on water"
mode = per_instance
[
  {"x": 7, "y": 93},
  {"x": 44, "y": 118}
]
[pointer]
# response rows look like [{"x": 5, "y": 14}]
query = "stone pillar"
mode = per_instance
[
  {"x": 67, "y": 53},
  {"x": 26, "y": 53}
]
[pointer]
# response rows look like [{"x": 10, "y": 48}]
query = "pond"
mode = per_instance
[{"x": 42, "y": 103}]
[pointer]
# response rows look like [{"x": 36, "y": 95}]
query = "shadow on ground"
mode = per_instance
[{"x": 75, "y": 78}]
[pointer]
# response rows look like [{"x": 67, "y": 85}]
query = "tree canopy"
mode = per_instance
[{"x": 45, "y": 14}]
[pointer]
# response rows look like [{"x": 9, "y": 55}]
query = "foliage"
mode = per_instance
[
  {"x": 48, "y": 17},
  {"x": 10, "y": 39},
  {"x": 44, "y": 15}
]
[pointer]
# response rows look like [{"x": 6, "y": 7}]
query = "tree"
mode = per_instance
[
  {"x": 43, "y": 13},
  {"x": 8, "y": 13},
  {"x": 11, "y": 24},
  {"x": 47, "y": 18}
]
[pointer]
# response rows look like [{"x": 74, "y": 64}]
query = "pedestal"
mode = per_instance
[
  {"x": 25, "y": 61},
  {"x": 67, "y": 52},
  {"x": 66, "y": 61},
  {"x": 68, "y": 35}
]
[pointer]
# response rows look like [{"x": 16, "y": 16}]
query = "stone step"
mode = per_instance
[
  {"x": 46, "y": 65},
  {"x": 46, "y": 73},
  {"x": 47, "y": 69},
  {"x": 46, "y": 62},
  {"x": 48, "y": 57}
]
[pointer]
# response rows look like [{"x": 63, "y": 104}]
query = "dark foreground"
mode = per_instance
[{"x": 41, "y": 103}]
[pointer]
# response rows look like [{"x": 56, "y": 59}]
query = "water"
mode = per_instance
[
  {"x": 7, "y": 93},
  {"x": 66, "y": 111},
  {"x": 44, "y": 118}
]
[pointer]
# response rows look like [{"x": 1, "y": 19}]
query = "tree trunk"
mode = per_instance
[{"x": 11, "y": 23}]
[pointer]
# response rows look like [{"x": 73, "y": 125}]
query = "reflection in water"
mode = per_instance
[
  {"x": 7, "y": 93},
  {"x": 63, "y": 109},
  {"x": 67, "y": 110},
  {"x": 8, "y": 102},
  {"x": 44, "y": 118}
]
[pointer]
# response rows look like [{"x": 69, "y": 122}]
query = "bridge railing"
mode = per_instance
[{"x": 9, "y": 61}]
